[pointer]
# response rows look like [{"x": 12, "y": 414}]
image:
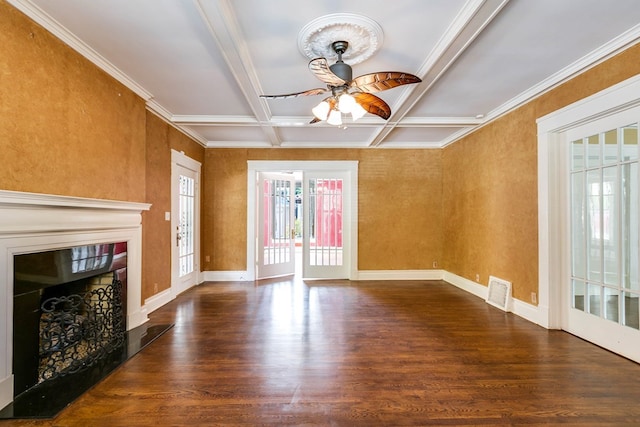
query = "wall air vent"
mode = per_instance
[{"x": 499, "y": 293}]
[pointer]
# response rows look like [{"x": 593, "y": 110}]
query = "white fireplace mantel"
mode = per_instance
[{"x": 31, "y": 222}]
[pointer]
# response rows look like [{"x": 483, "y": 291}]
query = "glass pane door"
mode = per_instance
[
  {"x": 185, "y": 266},
  {"x": 604, "y": 289},
  {"x": 185, "y": 231},
  {"x": 276, "y": 224},
  {"x": 325, "y": 226}
]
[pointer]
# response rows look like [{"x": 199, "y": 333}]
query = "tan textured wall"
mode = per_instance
[
  {"x": 490, "y": 185},
  {"x": 399, "y": 205},
  {"x": 66, "y": 127},
  {"x": 157, "y": 233}
]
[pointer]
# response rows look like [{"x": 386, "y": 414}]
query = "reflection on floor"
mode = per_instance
[{"x": 47, "y": 399}]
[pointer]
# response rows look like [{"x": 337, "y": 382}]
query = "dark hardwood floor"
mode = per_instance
[{"x": 340, "y": 353}]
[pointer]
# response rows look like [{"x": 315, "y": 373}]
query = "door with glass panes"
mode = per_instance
[
  {"x": 603, "y": 291},
  {"x": 326, "y": 243},
  {"x": 185, "y": 175},
  {"x": 276, "y": 224}
]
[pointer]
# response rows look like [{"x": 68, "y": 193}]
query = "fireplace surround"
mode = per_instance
[{"x": 31, "y": 223}]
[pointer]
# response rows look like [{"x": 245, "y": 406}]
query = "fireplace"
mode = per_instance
[
  {"x": 98, "y": 231},
  {"x": 68, "y": 311}
]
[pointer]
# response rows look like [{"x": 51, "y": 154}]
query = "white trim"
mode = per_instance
[
  {"x": 24, "y": 199},
  {"x": 157, "y": 110},
  {"x": 156, "y": 301},
  {"x": 179, "y": 159},
  {"x": 470, "y": 286},
  {"x": 400, "y": 275},
  {"x": 183, "y": 160},
  {"x": 227, "y": 276},
  {"x": 6, "y": 391},
  {"x": 522, "y": 309},
  {"x": 255, "y": 166},
  {"x": 519, "y": 308},
  {"x": 54, "y": 27},
  {"x": 619, "y": 97},
  {"x": 31, "y": 222},
  {"x": 604, "y": 52}
]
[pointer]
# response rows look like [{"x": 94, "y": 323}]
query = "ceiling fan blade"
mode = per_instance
[
  {"x": 376, "y": 82},
  {"x": 320, "y": 68},
  {"x": 309, "y": 92},
  {"x": 373, "y": 104}
]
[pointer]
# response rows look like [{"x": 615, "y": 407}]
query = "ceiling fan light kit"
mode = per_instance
[{"x": 356, "y": 38}]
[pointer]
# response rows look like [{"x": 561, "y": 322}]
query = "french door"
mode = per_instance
[
  {"x": 276, "y": 224},
  {"x": 602, "y": 296},
  {"x": 329, "y": 217},
  {"x": 325, "y": 224},
  {"x": 185, "y": 206}
]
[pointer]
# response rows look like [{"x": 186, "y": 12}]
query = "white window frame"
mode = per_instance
[{"x": 552, "y": 198}]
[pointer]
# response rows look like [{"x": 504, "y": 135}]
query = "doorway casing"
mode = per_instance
[
  {"x": 552, "y": 197},
  {"x": 255, "y": 166}
]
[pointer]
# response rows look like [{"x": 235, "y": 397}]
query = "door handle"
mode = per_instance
[
  {"x": 178, "y": 236},
  {"x": 293, "y": 233}
]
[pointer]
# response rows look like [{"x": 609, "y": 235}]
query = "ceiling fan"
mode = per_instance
[{"x": 349, "y": 95}]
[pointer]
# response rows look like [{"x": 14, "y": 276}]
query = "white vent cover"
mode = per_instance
[{"x": 499, "y": 293}]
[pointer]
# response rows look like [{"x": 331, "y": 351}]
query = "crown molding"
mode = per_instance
[
  {"x": 59, "y": 31},
  {"x": 213, "y": 120},
  {"x": 166, "y": 116},
  {"x": 583, "y": 64},
  {"x": 604, "y": 52}
]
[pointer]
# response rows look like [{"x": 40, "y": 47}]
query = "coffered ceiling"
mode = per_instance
[{"x": 202, "y": 64}]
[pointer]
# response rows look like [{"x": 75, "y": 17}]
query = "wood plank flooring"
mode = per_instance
[{"x": 340, "y": 353}]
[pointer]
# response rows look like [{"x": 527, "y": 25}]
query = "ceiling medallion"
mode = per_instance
[{"x": 363, "y": 34}]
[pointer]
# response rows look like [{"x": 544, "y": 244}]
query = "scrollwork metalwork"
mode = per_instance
[{"x": 78, "y": 330}]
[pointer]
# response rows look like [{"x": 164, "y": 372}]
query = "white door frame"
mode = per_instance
[
  {"x": 325, "y": 269},
  {"x": 255, "y": 166},
  {"x": 178, "y": 158},
  {"x": 552, "y": 197},
  {"x": 279, "y": 267}
]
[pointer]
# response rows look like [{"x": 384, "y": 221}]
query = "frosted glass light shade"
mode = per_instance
[
  {"x": 335, "y": 118},
  {"x": 321, "y": 111},
  {"x": 357, "y": 111},
  {"x": 346, "y": 103}
]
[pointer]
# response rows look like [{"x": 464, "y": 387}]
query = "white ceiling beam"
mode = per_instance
[
  {"x": 468, "y": 24},
  {"x": 223, "y": 25}
]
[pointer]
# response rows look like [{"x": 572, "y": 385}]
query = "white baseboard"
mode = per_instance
[
  {"x": 532, "y": 313},
  {"x": 467, "y": 285},
  {"x": 527, "y": 311},
  {"x": 226, "y": 276},
  {"x": 137, "y": 318},
  {"x": 400, "y": 275},
  {"x": 519, "y": 308},
  {"x": 6, "y": 391},
  {"x": 156, "y": 301}
]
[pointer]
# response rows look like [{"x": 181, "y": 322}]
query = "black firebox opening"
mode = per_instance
[{"x": 69, "y": 311}]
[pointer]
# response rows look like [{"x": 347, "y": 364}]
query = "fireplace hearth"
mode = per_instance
[
  {"x": 69, "y": 325},
  {"x": 32, "y": 223},
  {"x": 47, "y": 399}
]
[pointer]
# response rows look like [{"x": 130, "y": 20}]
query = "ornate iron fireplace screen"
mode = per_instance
[{"x": 78, "y": 330}]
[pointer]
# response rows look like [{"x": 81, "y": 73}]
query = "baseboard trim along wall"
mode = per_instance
[
  {"x": 226, "y": 276},
  {"x": 517, "y": 307},
  {"x": 400, "y": 275},
  {"x": 532, "y": 313},
  {"x": 158, "y": 300}
]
